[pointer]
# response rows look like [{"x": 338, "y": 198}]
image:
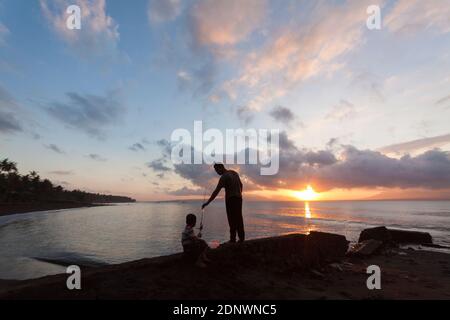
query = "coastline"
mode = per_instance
[
  {"x": 257, "y": 269},
  {"x": 19, "y": 208}
]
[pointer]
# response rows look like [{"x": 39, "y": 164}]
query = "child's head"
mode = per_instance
[{"x": 191, "y": 219}]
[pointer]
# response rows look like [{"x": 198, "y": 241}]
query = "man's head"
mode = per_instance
[
  {"x": 220, "y": 168},
  {"x": 191, "y": 219}
]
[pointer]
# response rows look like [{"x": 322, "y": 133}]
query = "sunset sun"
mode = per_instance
[{"x": 307, "y": 195}]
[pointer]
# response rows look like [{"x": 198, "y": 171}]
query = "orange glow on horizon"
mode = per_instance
[{"x": 307, "y": 195}]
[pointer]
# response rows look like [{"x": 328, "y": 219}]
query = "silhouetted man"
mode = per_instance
[{"x": 233, "y": 200}]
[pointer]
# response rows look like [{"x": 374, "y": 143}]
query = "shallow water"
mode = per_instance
[{"x": 120, "y": 233}]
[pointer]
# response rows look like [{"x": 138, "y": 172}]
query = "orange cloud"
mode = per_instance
[
  {"x": 226, "y": 22},
  {"x": 413, "y": 15}
]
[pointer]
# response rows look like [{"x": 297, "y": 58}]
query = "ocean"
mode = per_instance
[{"x": 125, "y": 232}]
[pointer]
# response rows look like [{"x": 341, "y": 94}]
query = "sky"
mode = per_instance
[{"x": 363, "y": 114}]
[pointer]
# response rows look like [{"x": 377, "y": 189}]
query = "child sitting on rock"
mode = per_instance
[{"x": 193, "y": 246}]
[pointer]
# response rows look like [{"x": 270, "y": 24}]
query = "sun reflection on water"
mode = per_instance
[{"x": 308, "y": 214}]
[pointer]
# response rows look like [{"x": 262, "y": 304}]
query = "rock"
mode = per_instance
[
  {"x": 317, "y": 275},
  {"x": 379, "y": 233},
  {"x": 337, "y": 266},
  {"x": 412, "y": 237},
  {"x": 286, "y": 252},
  {"x": 325, "y": 247},
  {"x": 366, "y": 248},
  {"x": 394, "y": 236},
  {"x": 437, "y": 246}
]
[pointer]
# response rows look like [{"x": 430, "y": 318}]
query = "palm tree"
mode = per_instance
[{"x": 8, "y": 166}]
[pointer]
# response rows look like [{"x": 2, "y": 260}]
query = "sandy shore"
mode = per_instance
[
  {"x": 15, "y": 208},
  {"x": 406, "y": 274}
]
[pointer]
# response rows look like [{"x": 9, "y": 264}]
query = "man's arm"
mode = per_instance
[{"x": 214, "y": 194}]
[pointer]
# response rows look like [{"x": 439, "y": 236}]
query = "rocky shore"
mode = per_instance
[{"x": 314, "y": 266}]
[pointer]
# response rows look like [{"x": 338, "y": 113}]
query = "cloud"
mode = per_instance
[
  {"x": 158, "y": 165},
  {"x": 9, "y": 123},
  {"x": 226, "y": 22},
  {"x": 282, "y": 114},
  {"x": 366, "y": 168},
  {"x": 343, "y": 111},
  {"x": 8, "y": 119},
  {"x": 415, "y": 145},
  {"x": 88, "y": 113},
  {"x": 411, "y": 16},
  {"x": 443, "y": 100},
  {"x": 311, "y": 46},
  {"x": 163, "y": 10},
  {"x": 99, "y": 32},
  {"x": 61, "y": 172},
  {"x": 245, "y": 114},
  {"x": 54, "y": 148},
  {"x": 345, "y": 168},
  {"x": 137, "y": 147},
  {"x": 4, "y": 32},
  {"x": 188, "y": 192},
  {"x": 96, "y": 157}
]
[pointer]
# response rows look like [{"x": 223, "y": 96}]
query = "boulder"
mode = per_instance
[
  {"x": 379, "y": 233},
  {"x": 366, "y": 248},
  {"x": 410, "y": 237},
  {"x": 394, "y": 236},
  {"x": 325, "y": 247}
]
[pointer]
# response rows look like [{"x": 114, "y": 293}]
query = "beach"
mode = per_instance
[
  {"x": 405, "y": 274},
  {"x": 27, "y": 207}
]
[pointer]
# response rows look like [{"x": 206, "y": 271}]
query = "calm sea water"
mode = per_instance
[{"x": 121, "y": 233}]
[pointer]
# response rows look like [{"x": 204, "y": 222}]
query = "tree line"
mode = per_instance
[{"x": 16, "y": 188}]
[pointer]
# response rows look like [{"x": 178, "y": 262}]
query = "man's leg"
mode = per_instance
[
  {"x": 231, "y": 219},
  {"x": 239, "y": 219}
]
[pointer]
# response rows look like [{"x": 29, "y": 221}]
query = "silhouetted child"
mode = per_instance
[{"x": 193, "y": 246}]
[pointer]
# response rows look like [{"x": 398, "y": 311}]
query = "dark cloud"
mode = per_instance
[
  {"x": 54, "y": 148},
  {"x": 6, "y": 99},
  {"x": 366, "y": 168},
  {"x": 345, "y": 168},
  {"x": 282, "y": 114},
  {"x": 9, "y": 123},
  {"x": 96, "y": 157},
  {"x": 158, "y": 165},
  {"x": 137, "y": 147},
  {"x": 245, "y": 114},
  {"x": 166, "y": 147},
  {"x": 8, "y": 120},
  {"x": 89, "y": 113}
]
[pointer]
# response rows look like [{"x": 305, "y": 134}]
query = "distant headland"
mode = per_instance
[{"x": 20, "y": 193}]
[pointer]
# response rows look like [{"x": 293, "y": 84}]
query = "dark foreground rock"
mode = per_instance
[
  {"x": 366, "y": 248},
  {"x": 244, "y": 276},
  {"x": 394, "y": 236},
  {"x": 413, "y": 237},
  {"x": 236, "y": 271}
]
